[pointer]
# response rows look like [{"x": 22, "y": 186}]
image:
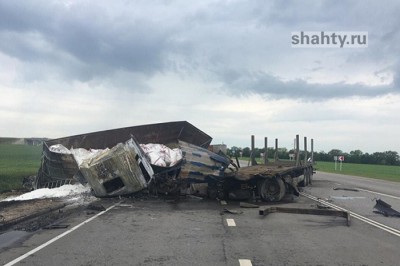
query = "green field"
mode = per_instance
[
  {"x": 17, "y": 162},
  {"x": 385, "y": 172}
]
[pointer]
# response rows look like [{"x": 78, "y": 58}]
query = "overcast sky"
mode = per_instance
[{"x": 227, "y": 67}]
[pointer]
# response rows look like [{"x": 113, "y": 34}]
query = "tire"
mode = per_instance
[
  {"x": 271, "y": 189},
  {"x": 306, "y": 178},
  {"x": 302, "y": 183}
]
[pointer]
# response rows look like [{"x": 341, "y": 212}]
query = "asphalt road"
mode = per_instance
[
  {"x": 361, "y": 202},
  {"x": 194, "y": 232}
]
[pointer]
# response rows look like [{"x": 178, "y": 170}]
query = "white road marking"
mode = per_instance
[
  {"x": 346, "y": 197},
  {"x": 33, "y": 251},
  {"x": 382, "y": 194},
  {"x": 223, "y": 202},
  {"x": 244, "y": 262},
  {"x": 386, "y": 228},
  {"x": 230, "y": 222}
]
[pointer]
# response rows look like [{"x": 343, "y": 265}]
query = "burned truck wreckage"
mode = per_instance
[{"x": 164, "y": 158}]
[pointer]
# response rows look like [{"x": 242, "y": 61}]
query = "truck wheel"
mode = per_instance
[
  {"x": 306, "y": 178},
  {"x": 310, "y": 175},
  {"x": 271, "y": 189}
]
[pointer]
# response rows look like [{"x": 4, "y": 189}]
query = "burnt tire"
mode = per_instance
[
  {"x": 306, "y": 180},
  {"x": 271, "y": 189},
  {"x": 310, "y": 175}
]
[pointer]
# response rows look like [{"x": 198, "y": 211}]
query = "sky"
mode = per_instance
[{"x": 227, "y": 67}]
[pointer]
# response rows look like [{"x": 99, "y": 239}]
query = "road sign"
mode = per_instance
[{"x": 341, "y": 158}]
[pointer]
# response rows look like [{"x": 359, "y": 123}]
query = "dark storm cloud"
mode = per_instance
[
  {"x": 81, "y": 37},
  {"x": 227, "y": 42},
  {"x": 266, "y": 84}
]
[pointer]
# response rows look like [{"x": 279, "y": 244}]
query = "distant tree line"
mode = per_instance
[{"x": 356, "y": 156}]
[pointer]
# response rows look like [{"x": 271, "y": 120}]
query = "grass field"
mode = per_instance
[
  {"x": 16, "y": 162},
  {"x": 385, "y": 172}
]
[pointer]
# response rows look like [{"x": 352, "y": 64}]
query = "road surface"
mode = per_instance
[{"x": 195, "y": 232}]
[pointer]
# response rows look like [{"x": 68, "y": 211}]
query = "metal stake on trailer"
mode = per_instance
[{"x": 265, "y": 150}]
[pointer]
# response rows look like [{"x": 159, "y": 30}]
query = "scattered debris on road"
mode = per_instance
[
  {"x": 346, "y": 189},
  {"x": 42, "y": 207},
  {"x": 225, "y": 210},
  {"x": 385, "y": 209},
  {"x": 248, "y": 205},
  {"x": 56, "y": 226},
  {"x": 267, "y": 210},
  {"x": 324, "y": 207},
  {"x": 325, "y": 199},
  {"x": 94, "y": 206},
  {"x": 346, "y": 197},
  {"x": 17, "y": 212},
  {"x": 223, "y": 202}
]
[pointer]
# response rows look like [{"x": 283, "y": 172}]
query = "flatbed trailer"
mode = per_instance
[{"x": 269, "y": 182}]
